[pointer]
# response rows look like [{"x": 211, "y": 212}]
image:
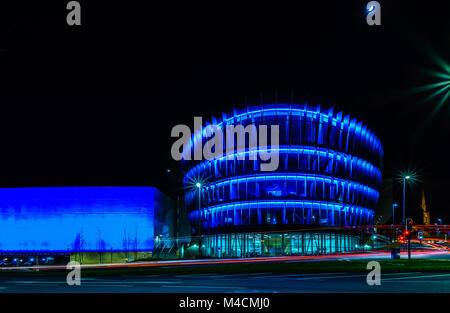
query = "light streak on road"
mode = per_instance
[{"x": 418, "y": 253}]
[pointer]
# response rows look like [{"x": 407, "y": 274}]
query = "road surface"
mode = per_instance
[
  {"x": 236, "y": 283},
  {"x": 241, "y": 283}
]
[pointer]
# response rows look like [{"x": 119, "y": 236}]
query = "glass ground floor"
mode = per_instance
[{"x": 277, "y": 244}]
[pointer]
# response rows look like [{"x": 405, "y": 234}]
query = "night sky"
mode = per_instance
[{"x": 94, "y": 105}]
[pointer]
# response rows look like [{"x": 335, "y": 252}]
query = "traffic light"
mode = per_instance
[
  {"x": 409, "y": 224},
  {"x": 407, "y": 233},
  {"x": 420, "y": 235},
  {"x": 401, "y": 237}
]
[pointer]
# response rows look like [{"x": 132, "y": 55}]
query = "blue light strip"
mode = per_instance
[
  {"x": 280, "y": 111},
  {"x": 293, "y": 176},
  {"x": 289, "y": 203},
  {"x": 297, "y": 150}
]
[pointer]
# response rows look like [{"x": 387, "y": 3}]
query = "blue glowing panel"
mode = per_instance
[{"x": 62, "y": 219}]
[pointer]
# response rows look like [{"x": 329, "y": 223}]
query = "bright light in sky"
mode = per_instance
[{"x": 438, "y": 91}]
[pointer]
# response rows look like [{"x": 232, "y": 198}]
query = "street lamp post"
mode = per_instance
[
  {"x": 199, "y": 186},
  {"x": 394, "y": 206},
  {"x": 404, "y": 220},
  {"x": 404, "y": 197}
]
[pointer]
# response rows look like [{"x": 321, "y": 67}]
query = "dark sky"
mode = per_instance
[{"x": 94, "y": 105}]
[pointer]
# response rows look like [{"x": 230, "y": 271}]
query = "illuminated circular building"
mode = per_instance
[{"x": 325, "y": 186}]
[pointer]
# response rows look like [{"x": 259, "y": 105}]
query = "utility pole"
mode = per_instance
[
  {"x": 409, "y": 228},
  {"x": 409, "y": 248}
]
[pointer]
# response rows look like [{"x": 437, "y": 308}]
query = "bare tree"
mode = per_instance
[
  {"x": 125, "y": 242},
  {"x": 79, "y": 244},
  {"x": 101, "y": 245},
  {"x": 135, "y": 243}
]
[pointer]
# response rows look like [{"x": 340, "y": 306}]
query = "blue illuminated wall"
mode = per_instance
[
  {"x": 65, "y": 219},
  {"x": 329, "y": 173}
]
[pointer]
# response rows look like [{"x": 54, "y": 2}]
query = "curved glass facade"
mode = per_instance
[{"x": 328, "y": 174}]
